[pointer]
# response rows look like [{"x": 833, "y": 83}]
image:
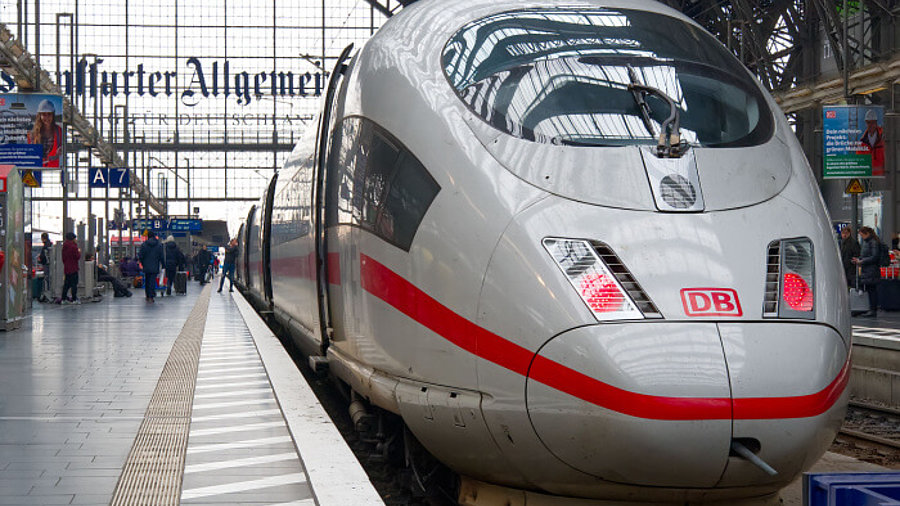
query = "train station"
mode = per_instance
[{"x": 450, "y": 252}]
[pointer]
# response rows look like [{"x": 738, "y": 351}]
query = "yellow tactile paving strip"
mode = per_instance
[{"x": 153, "y": 470}]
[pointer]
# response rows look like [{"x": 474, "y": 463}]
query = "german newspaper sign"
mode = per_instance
[
  {"x": 854, "y": 141},
  {"x": 31, "y": 134}
]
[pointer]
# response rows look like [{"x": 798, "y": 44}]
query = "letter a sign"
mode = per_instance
[{"x": 99, "y": 177}]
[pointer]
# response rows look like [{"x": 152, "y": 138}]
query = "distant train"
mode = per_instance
[{"x": 575, "y": 246}]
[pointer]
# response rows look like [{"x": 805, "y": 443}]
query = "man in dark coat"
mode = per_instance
[
  {"x": 231, "y": 254},
  {"x": 44, "y": 260},
  {"x": 151, "y": 257},
  {"x": 849, "y": 251},
  {"x": 870, "y": 262},
  {"x": 174, "y": 260},
  {"x": 71, "y": 256}
]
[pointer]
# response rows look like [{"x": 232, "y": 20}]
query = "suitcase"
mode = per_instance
[
  {"x": 181, "y": 278},
  {"x": 859, "y": 301}
]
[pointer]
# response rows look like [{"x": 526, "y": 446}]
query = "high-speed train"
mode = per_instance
[{"x": 572, "y": 244}]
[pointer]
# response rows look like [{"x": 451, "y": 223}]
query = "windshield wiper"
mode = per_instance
[{"x": 669, "y": 145}]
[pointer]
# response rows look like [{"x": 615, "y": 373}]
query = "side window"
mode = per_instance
[
  {"x": 382, "y": 161},
  {"x": 380, "y": 186},
  {"x": 411, "y": 193}
]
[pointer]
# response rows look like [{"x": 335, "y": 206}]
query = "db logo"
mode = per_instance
[
  {"x": 710, "y": 302},
  {"x": 831, "y": 114}
]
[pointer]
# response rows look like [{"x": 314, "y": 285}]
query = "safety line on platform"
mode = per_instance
[{"x": 153, "y": 470}]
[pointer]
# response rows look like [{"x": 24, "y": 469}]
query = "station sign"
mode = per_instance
[
  {"x": 101, "y": 177},
  {"x": 854, "y": 141},
  {"x": 169, "y": 225}
]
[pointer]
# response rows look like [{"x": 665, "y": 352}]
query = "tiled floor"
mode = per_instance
[{"x": 74, "y": 384}]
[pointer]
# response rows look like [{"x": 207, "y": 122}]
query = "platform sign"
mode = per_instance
[
  {"x": 30, "y": 138},
  {"x": 185, "y": 225},
  {"x": 854, "y": 141},
  {"x": 119, "y": 178},
  {"x": 98, "y": 177}
]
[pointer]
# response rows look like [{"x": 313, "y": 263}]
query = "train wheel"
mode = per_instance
[{"x": 436, "y": 482}]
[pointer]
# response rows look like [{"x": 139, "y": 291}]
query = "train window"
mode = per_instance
[
  {"x": 379, "y": 167},
  {"x": 411, "y": 192},
  {"x": 376, "y": 184},
  {"x": 561, "y": 76}
]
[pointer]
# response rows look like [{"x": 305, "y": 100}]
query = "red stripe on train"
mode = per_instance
[{"x": 387, "y": 285}]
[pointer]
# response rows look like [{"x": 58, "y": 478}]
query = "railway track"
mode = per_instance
[{"x": 871, "y": 433}]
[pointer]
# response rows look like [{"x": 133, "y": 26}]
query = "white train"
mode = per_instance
[{"x": 574, "y": 245}]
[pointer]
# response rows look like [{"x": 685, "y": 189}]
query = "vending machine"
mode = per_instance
[{"x": 14, "y": 271}]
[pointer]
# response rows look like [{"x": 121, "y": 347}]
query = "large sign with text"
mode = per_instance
[
  {"x": 196, "y": 81},
  {"x": 854, "y": 141}
]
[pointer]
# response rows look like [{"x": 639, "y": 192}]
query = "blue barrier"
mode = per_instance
[{"x": 851, "y": 489}]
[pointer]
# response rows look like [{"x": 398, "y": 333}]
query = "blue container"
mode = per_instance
[{"x": 851, "y": 489}]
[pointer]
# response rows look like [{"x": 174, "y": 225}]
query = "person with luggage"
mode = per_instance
[
  {"x": 119, "y": 288},
  {"x": 869, "y": 261},
  {"x": 151, "y": 257},
  {"x": 71, "y": 256},
  {"x": 231, "y": 253},
  {"x": 174, "y": 261}
]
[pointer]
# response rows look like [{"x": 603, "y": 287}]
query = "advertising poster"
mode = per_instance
[
  {"x": 854, "y": 141},
  {"x": 31, "y": 133},
  {"x": 872, "y": 212}
]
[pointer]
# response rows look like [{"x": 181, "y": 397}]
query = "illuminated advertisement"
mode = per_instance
[{"x": 854, "y": 141}]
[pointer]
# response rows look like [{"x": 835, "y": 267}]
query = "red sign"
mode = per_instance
[{"x": 710, "y": 302}]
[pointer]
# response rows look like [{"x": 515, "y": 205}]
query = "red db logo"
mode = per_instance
[
  {"x": 831, "y": 114},
  {"x": 710, "y": 302}
]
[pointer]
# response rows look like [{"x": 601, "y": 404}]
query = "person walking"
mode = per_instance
[
  {"x": 71, "y": 256},
  {"x": 869, "y": 261},
  {"x": 174, "y": 260},
  {"x": 151, "y": 257},
  {"x": 44, "y": 260},
  {"x": 231, "y": 254}
]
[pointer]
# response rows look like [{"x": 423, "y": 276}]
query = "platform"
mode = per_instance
[{"x": 124, "y": 402}]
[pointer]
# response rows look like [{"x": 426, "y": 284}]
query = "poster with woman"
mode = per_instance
[{"x": 31, "y": 132}]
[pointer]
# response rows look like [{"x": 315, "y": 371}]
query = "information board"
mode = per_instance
[{"x": 854, "y": 141}]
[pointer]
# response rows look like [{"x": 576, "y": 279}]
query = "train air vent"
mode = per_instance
[
  {"x": 677, "y": 191},
  {"x": 773, "y": 274},
  {"x": 626, "y": 279}
]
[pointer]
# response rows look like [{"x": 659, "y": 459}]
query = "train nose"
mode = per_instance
[
  {"x": 650, "y": 403},
  {"x": 638, "y": 403}
]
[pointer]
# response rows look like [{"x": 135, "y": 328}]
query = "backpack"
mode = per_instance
[{"x": 884, "y": 255}]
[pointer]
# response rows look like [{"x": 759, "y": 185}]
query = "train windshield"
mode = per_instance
[{"x": 562, "y": 77}]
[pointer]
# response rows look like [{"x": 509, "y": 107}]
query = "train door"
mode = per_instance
[
  {"x": 326, "y": 121},
  {"x": 266, "y": 229}
]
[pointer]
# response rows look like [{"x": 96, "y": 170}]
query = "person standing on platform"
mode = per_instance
[
  {"x": 231, "y": 253},
  {"x": 174, "y": 261},
  {"x": 70, "y": 257},
  {"x": 151, "y": 257},
  {"x": 869, "y": 261},
  {"x": 849, "y": 251},
  {"x": 44, "y": 260}
]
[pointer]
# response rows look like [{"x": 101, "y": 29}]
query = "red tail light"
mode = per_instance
[{"x": 797, "y": 293}]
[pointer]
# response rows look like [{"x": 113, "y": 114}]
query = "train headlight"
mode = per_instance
[
  {"x": 790, "y": 291},
  {"x": 592, "y": 279}
]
